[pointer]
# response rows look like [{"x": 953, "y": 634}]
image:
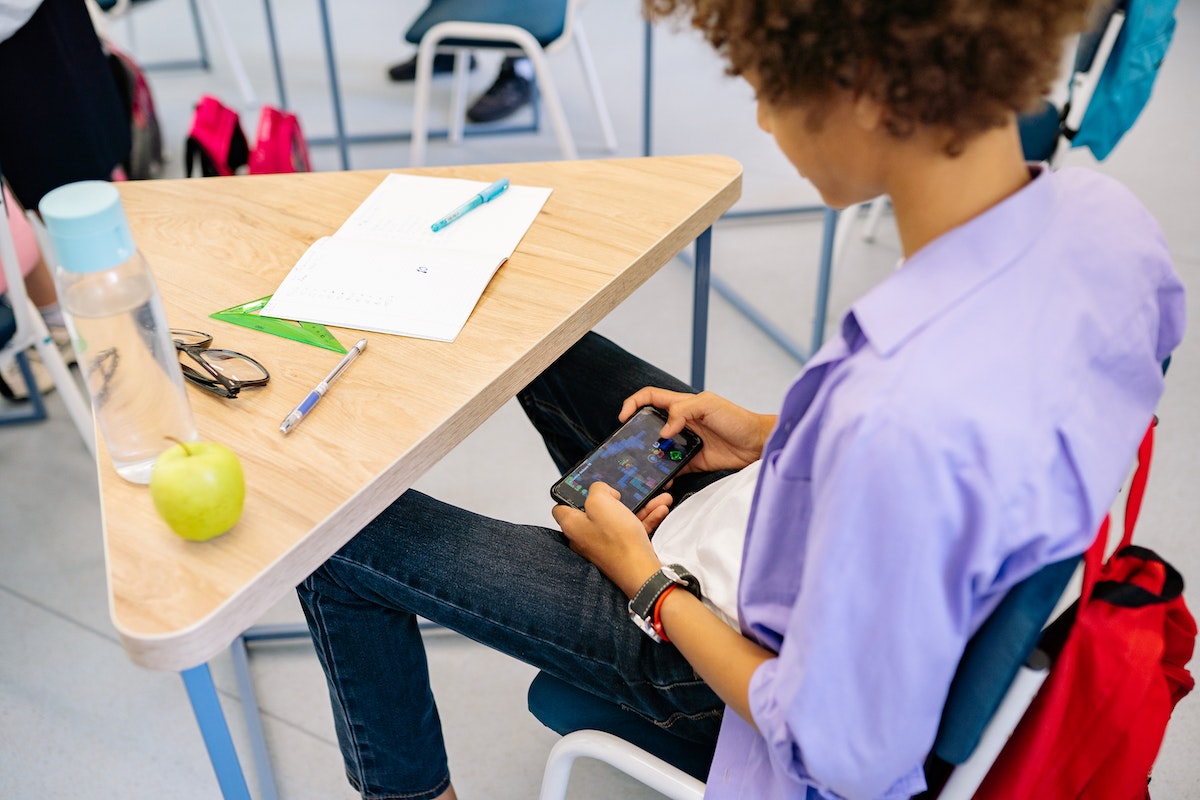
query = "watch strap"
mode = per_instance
[{"x": 643, "y": 604}]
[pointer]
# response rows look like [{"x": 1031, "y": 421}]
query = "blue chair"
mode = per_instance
[
  {"x": 532, "y": 29},
  {"x": 1046, "y": 133},
  {"x": 997, "y": 677}
]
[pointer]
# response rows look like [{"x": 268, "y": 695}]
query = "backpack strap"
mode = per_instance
[{"x": 1094, "y": 557}]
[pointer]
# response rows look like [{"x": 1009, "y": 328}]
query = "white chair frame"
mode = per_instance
[
  {"x": 616, "y": 752},
  {"x": 678, "y": 785},
  {"x": 519, "y": 42},
  {"x": 32, "y": 332},
  {"x": 206, "y": 8}
]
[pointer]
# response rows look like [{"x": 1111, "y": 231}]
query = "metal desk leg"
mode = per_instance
[
  {"x": 822, "y": 303},
  {"x": 276, "y": 59},
  {"x": 200, "y": 42},
  {"x": 215, "y": 731},
  {"x": 647, "y": 86},
  {"x": 700, "y": 307},
  {"x": 335, "y": 90}
]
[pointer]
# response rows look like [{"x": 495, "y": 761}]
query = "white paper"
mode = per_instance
[{"x": 384, "y": 270}]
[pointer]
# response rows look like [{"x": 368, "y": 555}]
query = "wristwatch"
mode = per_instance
[{"x": 643, "y": 608}]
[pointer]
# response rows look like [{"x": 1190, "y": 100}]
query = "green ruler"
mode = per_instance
[{"x": 247, "y": 315}]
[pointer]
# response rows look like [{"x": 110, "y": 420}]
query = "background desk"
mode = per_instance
[{"x": 216, "y": 242}]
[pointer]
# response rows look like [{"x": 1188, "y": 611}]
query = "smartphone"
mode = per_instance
[{"x": 634, "y": 461}]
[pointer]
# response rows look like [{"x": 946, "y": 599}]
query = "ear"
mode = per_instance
[{"x": 868, "y": 112}]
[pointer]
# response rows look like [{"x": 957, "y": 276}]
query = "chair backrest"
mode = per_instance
[
  {"x": 992, "y": 659},
  {"x": 1128, "y": 55},
  {"x": 549, "y": 21},
  {"x": 1046, "y": 134}
]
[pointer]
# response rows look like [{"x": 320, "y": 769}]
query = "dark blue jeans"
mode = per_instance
[{"x": 517, "y": 588}]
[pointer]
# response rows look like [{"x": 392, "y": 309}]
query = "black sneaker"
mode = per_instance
[
  {"x": 508, "y": 94},
  {"x": 406, "y": 71}
]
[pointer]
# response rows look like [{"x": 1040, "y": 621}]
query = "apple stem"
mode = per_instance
[{"x": 181, "y": 444}]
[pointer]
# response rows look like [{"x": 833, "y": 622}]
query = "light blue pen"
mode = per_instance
[
  {"x": 488, "y": 194},
  {"x": 306, "y": 405}
]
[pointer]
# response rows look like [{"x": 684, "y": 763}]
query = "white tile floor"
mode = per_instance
[{"x": 77, "y": 719}]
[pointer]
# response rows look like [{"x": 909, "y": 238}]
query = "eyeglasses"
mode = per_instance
[{"x": 225, "y": 372}]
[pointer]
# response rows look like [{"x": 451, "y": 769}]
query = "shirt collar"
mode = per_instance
[{"x": 952, "y": 266}]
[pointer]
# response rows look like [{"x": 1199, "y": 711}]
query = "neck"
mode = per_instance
[{"x": 933, "y": 193}]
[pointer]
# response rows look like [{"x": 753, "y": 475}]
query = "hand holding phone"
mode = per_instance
[{"x": 633, "y": 460}]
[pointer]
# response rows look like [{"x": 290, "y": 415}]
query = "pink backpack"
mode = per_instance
[
  {"x": 216, "y": 144},
  {"x": 279, "y": 144},
  {"x": 146, "y": 152}
]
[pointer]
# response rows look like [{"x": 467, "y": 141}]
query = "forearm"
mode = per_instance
[
  {"x": 766, "y": 424},
  {"x": 724, "y": 658}
]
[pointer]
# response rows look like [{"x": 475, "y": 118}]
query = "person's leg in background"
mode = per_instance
[
  {"x": 406, "y": 71},
  {"x": 511, "y": 90},
  {"x": 509, "y": 93},
  {"x": 39, "y": 285},
  {"x": 517, "y": 588}
]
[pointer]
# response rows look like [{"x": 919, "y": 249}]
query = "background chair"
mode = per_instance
[
  {"x": 996, "y": 679},
  {"x": 533, "y": 30},
  {"x": 22, "y": 327},
  {"x": 1046, "y": 133}
]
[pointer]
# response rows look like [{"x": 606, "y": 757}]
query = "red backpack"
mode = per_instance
[{"x": 1119, "y": 657}]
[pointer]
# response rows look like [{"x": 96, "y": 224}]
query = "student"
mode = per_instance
[
  {"x": 39, "y": 285},
  {"x": 63, "y": 118},
  {"x": 971, "y": 421}
]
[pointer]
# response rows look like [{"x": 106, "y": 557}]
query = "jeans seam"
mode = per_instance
[
  {"x": 425, "y": 795},
  {"x": 669, "y": 723},
  {"x": 318, "y": 613},
  {"x": 319, "y": 618}
]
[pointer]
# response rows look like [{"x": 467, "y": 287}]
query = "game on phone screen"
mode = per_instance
[{"x": 634, "y": 461}]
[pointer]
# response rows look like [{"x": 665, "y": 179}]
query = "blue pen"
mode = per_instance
[
  {"x": 306, "y": 405},
  {"x": 488, "y": 194}
]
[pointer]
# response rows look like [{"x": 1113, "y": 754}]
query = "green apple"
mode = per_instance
[{"x": 198, "y": 488}]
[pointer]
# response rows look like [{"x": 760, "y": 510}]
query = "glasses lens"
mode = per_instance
[
  {"x": 235, "y": 366},
  {"x": 190, "y": 338}
]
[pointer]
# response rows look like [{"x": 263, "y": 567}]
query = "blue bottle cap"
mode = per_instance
[{"x": 87, "y": 226}]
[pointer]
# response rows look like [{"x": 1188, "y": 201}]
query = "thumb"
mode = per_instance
[{"x": 602, "y": 501}]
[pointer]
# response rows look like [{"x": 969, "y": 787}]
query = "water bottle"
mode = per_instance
[{"x": 118, "y": 328}]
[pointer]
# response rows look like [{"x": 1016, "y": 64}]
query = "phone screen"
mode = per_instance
[{"x": 634, "y": 461}]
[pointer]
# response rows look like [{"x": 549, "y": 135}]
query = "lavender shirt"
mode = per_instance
[{"x": 974, "y": 421}]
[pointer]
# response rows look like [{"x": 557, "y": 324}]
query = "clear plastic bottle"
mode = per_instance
[{"x": 117, "y": 326}]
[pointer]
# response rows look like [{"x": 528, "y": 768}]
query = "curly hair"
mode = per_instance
[{"x": 961, "y": 65}]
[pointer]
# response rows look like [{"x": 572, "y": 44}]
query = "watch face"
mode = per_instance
[{"x": 646, "y": 625}]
